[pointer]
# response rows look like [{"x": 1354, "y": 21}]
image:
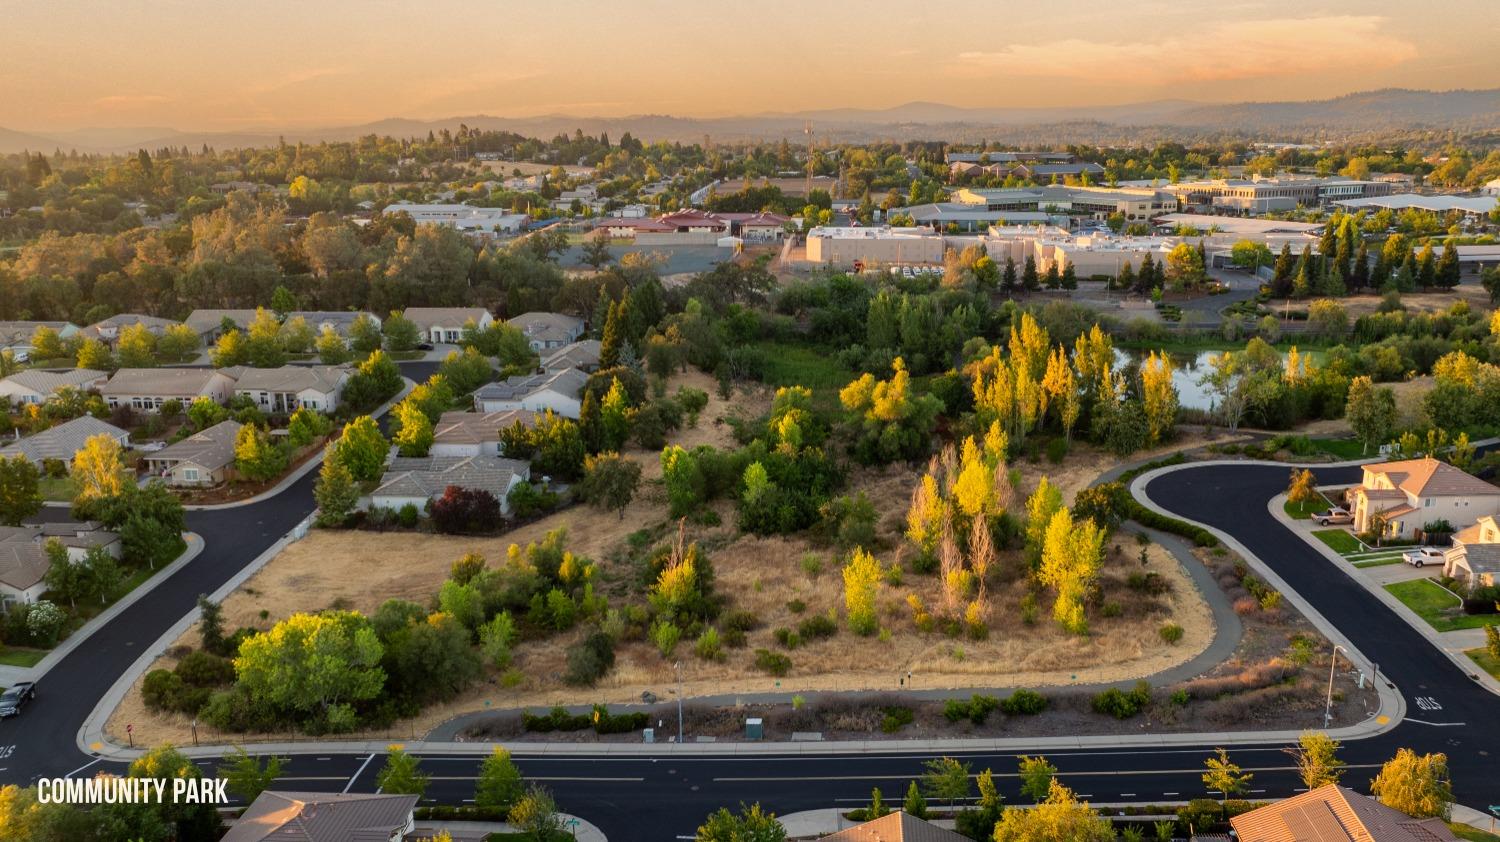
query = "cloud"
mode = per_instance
[
  {"x": 125, "y": 102},
  {"x": 1231, "y": 51}
]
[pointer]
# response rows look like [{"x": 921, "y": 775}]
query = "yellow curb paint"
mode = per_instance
[{"x": 1382, "y": 719}]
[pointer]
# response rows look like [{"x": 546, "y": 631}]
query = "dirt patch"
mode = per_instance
[
  {"x": 1422, "y": 302},
  {"x": 1409, "y": 396}
]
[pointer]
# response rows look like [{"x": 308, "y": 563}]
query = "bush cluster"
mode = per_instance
[{"x": 1123, "y": 705}]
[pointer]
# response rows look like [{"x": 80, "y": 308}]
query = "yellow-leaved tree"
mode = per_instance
[
  {"x": 99, "y": 470},
  {"x": 861, "y": 584}
]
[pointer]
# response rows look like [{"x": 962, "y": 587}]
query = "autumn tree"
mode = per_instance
[
  {"x": 862, "y": 576},
  {"x": 256, "y": 456},
  {"x": 1224, "y": 777},
  {"x": 1303, "y": 488},
  {"x": 415, "y": 435},
  {"x": 1072, "y": 555},
  {"x": 361, "y": 448},
  {"x": 1159, "y": 396},
  {"x": 99, "y": 471},
  {"x": 335, "y": 491},
  {"x": 1043, "y": 503},
  {"x": 1037, "y": 775},
  {"x": 1317, "y": 759},
  {"x": 1416, "y": 784},
  {"x": 1060, "y": 817},
  {"x": 401, "y": 774},
  {"x": 499, "y": 784}
]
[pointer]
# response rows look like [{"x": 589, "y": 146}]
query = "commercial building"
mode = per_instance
[
  {"x": 845, "y": 246},
  {"x": 467, "y": 218},
  {"x": 1258, "y": 195},
  {"x": 1469, "y": 205},
  {"x": 1134, "y": 203}
]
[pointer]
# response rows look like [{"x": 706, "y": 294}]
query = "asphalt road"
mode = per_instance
[{"x": 663, "y": 797}]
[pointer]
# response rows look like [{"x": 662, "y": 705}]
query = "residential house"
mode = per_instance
[
  {"x": 202, "y": 459},
  {"x": 146, "y": 389},
  {"x": 208, "y": 324},
  {"x": 1408, "y": 494},
  {"x": 1475, "y": 555},
  {"x": 546, "y": 331},
  {"x": 108, "y": 331},
  {"x": 24, "y": 561},
  {"x": 65, "y": 440},
  {"x": 582, "y": 355},
  {"x": 559, "y": 391},
  {"x": 284, "y": 390},
  {"x": 459, "y": 433},
  {"x": 341, "y": 321},
  {"x": 15, "y": 336},
  {"x": 1334, "y": 813},
  {"x": 37, "y": 385},
  {"x": 325, "y": 817},
  {"x": 899, "y": 826},
  {"x": 417, "y": 481},
  {"x": 446, "y": 324}
]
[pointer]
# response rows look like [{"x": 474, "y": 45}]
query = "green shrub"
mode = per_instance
[
  {"x": 796, "y": 606},
  {"x": 408, "y": 515},
  {"x": 202, "y": 669},
  {"x": 1023, "y": 702},
  {"x": 1170, "y": 632},
  {"x": 1180, "y": 698},
  {"x": 787, "y": 638},
  {"x": 817, "y": 626},
  {"x": 741, "y": 621},
  {"x": 708, "y": 646},
  {"x": 1122, "y": 705},
  {"x": 976, "y": 709},
  {"x": 896, "y": 718},
  {"x": 590, "y": 659},
  {"x": 1057, "y": 450},
  {"x": 773, "y": 663}
]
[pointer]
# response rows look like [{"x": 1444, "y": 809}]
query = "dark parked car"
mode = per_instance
[
  {"x": 424, "y": 346},
  {"x": 12, "y": 700}
]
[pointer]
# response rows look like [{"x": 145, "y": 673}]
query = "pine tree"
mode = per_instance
[{"x": 613, "y": 337}]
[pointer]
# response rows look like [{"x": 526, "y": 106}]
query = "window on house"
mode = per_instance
[{"x": 190, "y": 474}]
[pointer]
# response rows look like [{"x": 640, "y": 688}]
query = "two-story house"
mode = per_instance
[
  {"x": 1405, "y": 495},
  {"x": 1474, "y": 557}
]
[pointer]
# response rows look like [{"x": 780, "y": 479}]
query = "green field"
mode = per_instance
[
  {"x": 1339, "y": 540},
  {"x": 17, "y": 657},
  {"x": 1438, "y": 607}
]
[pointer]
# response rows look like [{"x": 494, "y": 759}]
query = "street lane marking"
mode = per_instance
[
  {"x": 357, "y": 772},
  {"x": 84, "y": 766},
  {"x": 1435, "y": 724},
  {"x": 1061, "y": 774}
]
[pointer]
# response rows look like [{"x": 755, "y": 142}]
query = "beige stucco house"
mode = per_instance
[
  {"x": 146, "y": 389},
  {"x": 1474, "y": 557},
  {"x": 1413, "y": 492},
  {"x": 200, "y": 460}
]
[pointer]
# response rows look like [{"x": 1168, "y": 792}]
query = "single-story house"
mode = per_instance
[
  {"x": 340, "y": 320},
  {"x": 325, "y": 817},
  {"x": 15, "y": 336},
  {"x": 419, "y": 480},
  {"x": 899, "y": 826},
  {"x": 546, "y": 331},
  {"x": 108, "y": 331},
  {"x": 23, "y": 555},
  {"x": 459, "y": 433},
  {"x": 202, "y": 459},
  {"x": 559, "y": 391},
  {"x": 1407, "y": 494},
  {"x": 446, "y": 324},
  {"x": 1334, "y": 813},
  {"x": 65, "y": 440},
  {"x": 208, "y": 324},
  {"x": 582, "y": 355},
  {"x": 286, "y": 389},
  {"x": 1475, "y": 554},
  {"x": 36, "y": 385},
  {"x": 146, "y": 389}
]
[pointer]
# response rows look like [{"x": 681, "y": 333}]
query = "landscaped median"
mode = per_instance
[{"x": 1355, "y": 551}]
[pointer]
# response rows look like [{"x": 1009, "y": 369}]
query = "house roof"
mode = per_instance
[
  {"x": 429, "y": 476},
  {"x": 64, "y": 440},
  {"x": 210, "y": 449},
  {"x": 46, "y": 382},
  {"x": 581, "y": 354},
  {"x": 162, "y": 382},
  {"x": 1430, "y": 477},
  {"x": 1481, "y": 558},
  {"x": 155, "y": 324},
  {"x": 23, "y": 551},
  {"x": 899, "y": 826},
  {"x": 550, "y": 327},
  {"x": 20, "y": 332},
  {"x": 430, "y": 317},
  {"x": 202, "y": 321},
  {"x": 565, "y": 381},
  {"x": 205, "y": 320},
  {"x": 1334, "y": 813},
  {"x": 459, "y": 427},
  {"x": 322, "y": 817},
  {"x": 290, "y": 378}
]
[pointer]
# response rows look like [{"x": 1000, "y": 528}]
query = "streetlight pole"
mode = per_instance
[
  {"x": 1332, "y": 662},
  {"x": 677, "y": 671}
]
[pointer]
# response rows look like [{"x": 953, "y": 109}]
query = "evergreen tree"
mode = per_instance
[
  {"x": 613, "y": 336},
  {"x": 1029, "y": 278}
]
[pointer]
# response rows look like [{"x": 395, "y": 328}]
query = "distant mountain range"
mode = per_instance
[{"x": 1356, "y": 114}]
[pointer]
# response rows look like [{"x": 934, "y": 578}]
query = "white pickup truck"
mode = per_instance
[{"x": 1423, "y": 556}]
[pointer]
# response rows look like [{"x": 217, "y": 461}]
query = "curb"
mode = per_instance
[
  {"x": 1392, "y": 703},
  {"x": 1459, "y": 659},
  {"x": 195, "y": 545}
]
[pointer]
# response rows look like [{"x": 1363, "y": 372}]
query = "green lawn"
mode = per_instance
[
  {"x": 1303, "y": 511},
  {"x": 14, "y": 656},
  {"x": 1379, "y": 561},
  {"x": 1487, "y": 662},
  {"x": 1341, "y": 448},
  {"x": 1437, "y": 606},
  {"x": 1339, "y": 539},
  {"x": 57, "y": 489},
  {"x": 1472, "y": 834}
]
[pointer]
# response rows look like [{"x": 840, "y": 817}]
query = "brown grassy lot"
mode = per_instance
[{"x": 1426, "y": 302}]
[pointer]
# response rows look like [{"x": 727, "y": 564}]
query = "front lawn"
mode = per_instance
[
  {"x": 1437, "y": 606},
  {"x": 1303, "y": 511},
  {"x": 19, "y": 656},
  {"x": 1339, "y": 540},
  {"x": 1472, "y": 834},
  {"x": 1487, "y": 662},
  {"x": 57, "y": 489},
  {"x": 1379, "y": 561}
]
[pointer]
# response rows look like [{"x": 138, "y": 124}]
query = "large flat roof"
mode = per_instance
[{"x": 1439, "y": 204}]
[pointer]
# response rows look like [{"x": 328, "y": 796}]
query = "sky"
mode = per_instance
[{"x": 209, "y": 65}]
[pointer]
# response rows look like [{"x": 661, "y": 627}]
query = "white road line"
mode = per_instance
[
  {"x": 84, "y": 766},
  {"x": 1255, "y": 791},
  {"x": 357, "y": 772},
  {"x": 1171, "y": 793},
  {"x": 1436, "y": 724},
  {"x": 1127, "y": 795}
]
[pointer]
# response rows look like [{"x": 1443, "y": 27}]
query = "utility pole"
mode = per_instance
[{"x": 1328, "y": 707}]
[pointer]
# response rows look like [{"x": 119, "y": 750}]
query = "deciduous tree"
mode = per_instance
[{"x": 1416, "y": 784}]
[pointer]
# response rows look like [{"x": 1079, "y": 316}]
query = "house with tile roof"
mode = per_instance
[
  {"x": 546, "y": 331},
  {"x": 209, "y": 324},
  {"x": 146, "y": 389},
  {"x": 1474, "y": 557},
  {"x": 15, "y": 336},
  {"x": 284, "y": 390},
  {"x": 35, "y": 385},
  {"x": 325, "y": 817},
  {"x": 63, "y": 441},
  {"x": 23, "y": 555},
  {"x": 417, "y": 481},
  {"x": 582, "y": 355},
  {"x": 1407, "y": 494},
  {"x": 460, "y": 433},
  {"x": 899, "y": 826},
  {"x": 446, "y": 324},
  {"x": 1335, "y": 813},
  {"x": 559, "y": 391},
  {"x": 202, "y": 459}
]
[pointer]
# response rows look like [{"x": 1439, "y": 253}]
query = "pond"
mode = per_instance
[{"x": 1187, "y": 368}]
